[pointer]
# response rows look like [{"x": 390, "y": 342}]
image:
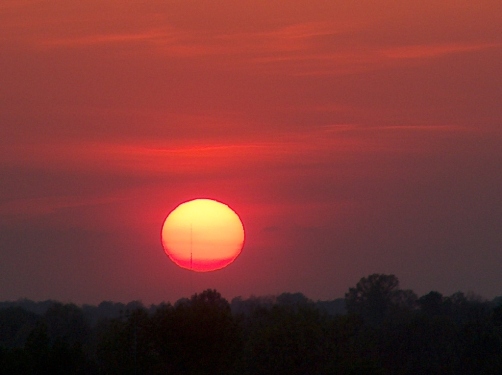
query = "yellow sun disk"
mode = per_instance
[{"x": 202, "y": 235}]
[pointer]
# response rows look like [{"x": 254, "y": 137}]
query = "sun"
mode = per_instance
[{"x": 202, "y": 235}]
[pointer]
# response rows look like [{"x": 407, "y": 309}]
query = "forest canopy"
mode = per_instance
[{"x": 377, "y": 328}]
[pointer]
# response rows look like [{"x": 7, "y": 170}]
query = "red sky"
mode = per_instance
[{"x": 351, "y": 138}]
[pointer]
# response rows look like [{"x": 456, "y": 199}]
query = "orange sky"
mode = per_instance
[{"x": 351, "y": 138}]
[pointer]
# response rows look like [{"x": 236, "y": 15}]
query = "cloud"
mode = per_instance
[
  {"x": 434, "y": 50},
  {"x": 32, "y": 207},
  {"x": 296, "y": 147},
  {"x": 152, "y": 36}
]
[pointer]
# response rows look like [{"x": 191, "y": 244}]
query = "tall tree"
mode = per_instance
[
  {"x": 197, "y": 336},
  {"x": 378, "y": 296}
]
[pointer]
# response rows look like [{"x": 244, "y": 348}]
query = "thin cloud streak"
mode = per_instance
[
  {"x": 205, "y": 158},
  {"x": 435, "y": 51},
  {"x": 29, "y": 208}
]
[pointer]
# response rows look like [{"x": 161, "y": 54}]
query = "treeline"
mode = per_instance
[{"x": 377, "y": 328}]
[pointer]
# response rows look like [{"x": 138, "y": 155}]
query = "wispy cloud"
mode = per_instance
[
  {"x": 295, "y": 147},
  {"x": 434, "y": 50},
  {"x": 30, "y": 207},
  {"x": 149, "y": 36}
]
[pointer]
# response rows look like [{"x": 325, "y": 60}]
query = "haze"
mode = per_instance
[{"x": 352, "y": 138}]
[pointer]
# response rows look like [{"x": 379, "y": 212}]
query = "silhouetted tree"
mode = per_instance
[
  {"x": 431, "y": 304},
  {"x": 248, "y": 306},
  {"x": 286, "y": 340},
  {"x": 113, "y": 348},
  {"x": 66, "y": 323},
  {"x": 126, "y": 344},
  {"x": 15, "y": 361},
  {"x": 197, "y": 336},
  {"x": 382, "y": 334},
  {"x": 352, "y": 348},
  {"x": 38, "y": 349},
  {"x": 16, "y": 324},
  {"x": 294, "y": 300},
  {"x": 377, "y": 296}
]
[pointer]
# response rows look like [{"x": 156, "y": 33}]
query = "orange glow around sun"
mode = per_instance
[{"x": 202, "y": 235}]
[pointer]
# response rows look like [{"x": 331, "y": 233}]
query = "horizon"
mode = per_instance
[{"x": 470, "y": 295}]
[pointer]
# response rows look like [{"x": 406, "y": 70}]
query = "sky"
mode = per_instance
[{"x": 351, "y": 138}]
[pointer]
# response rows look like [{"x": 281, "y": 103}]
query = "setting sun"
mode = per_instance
[{"x": 202, "y": 235}]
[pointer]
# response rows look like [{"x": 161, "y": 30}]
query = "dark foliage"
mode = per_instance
[
  {"x": 385, "y": 330},
  {"x": 377, "y": 298}
]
